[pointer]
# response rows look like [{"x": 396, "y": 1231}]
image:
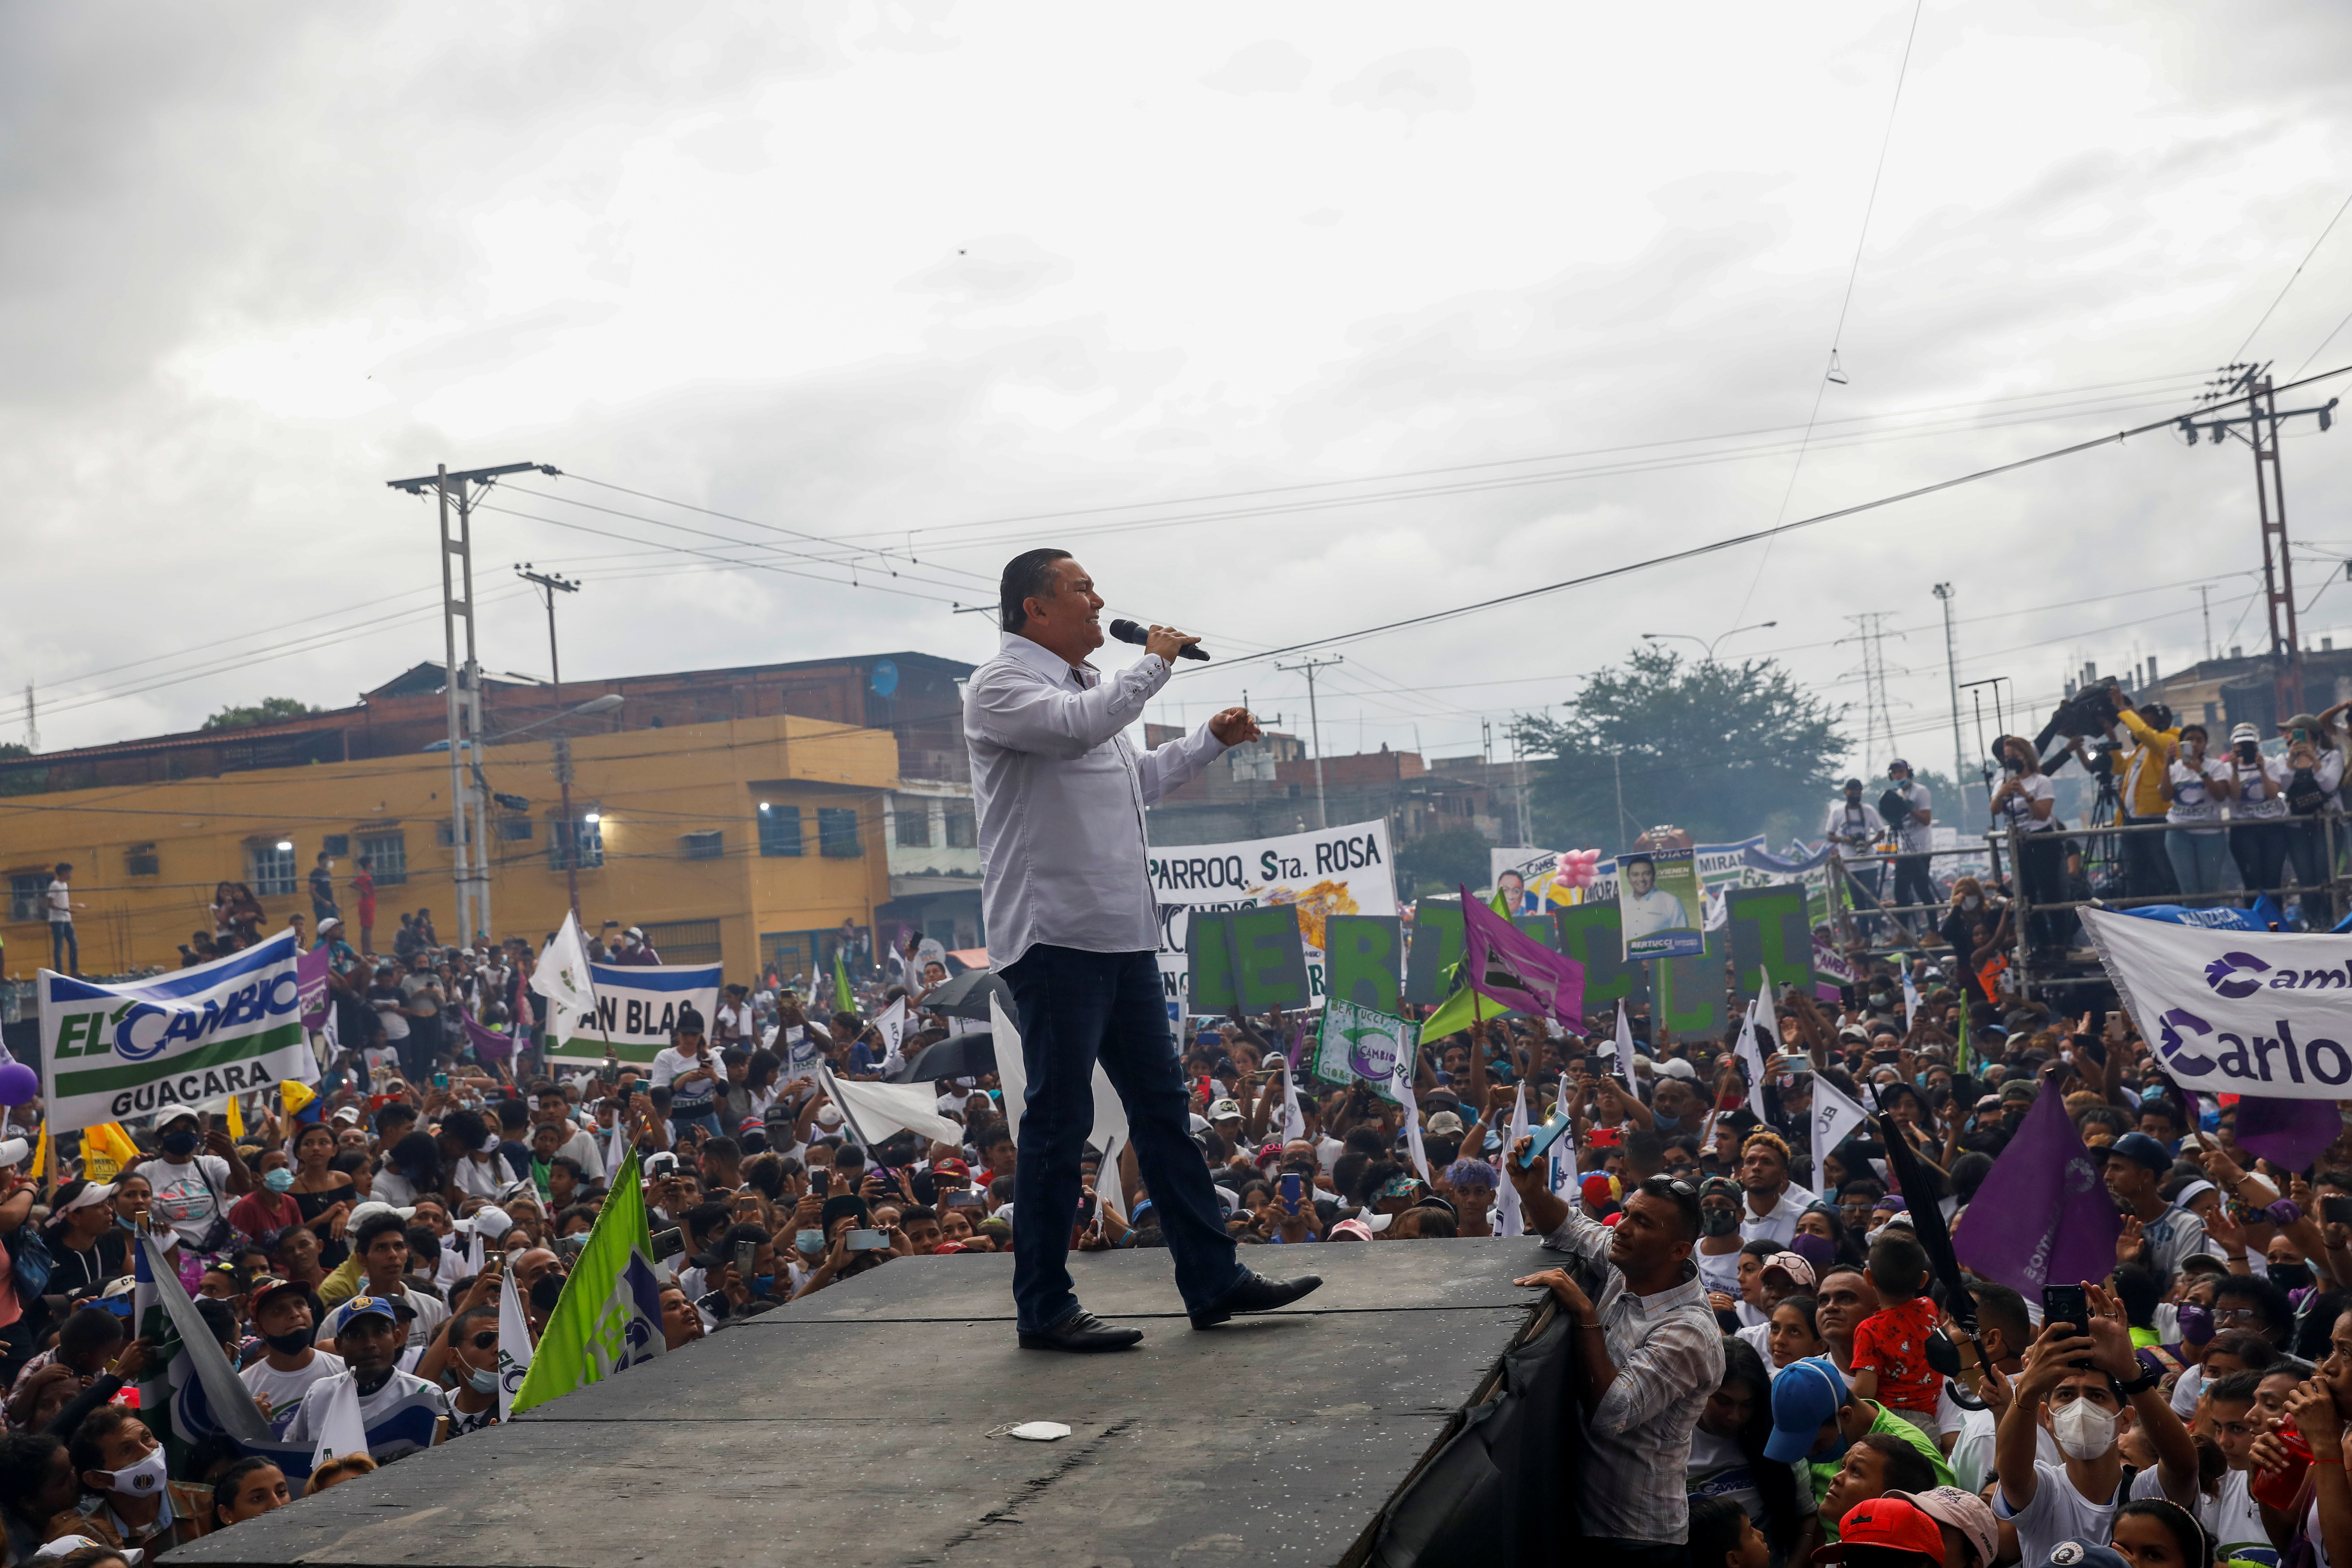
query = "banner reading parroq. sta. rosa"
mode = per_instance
[
  {"x": 109, "y": 1053},
  {"x": 1344, "y": 871},
  {"x": 2235, "y": 1012}
]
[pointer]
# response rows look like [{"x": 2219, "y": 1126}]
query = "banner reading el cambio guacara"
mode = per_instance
[
  {"x": 2235, "y": 1012},
  {"x": 109, "y": 1053},
  {"x": 1344, "y": 871},
  {"x": 636, "y": 1008}
]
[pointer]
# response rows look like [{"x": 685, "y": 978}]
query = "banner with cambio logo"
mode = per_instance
[
  {"x": 2235, "y": 1012},
  {"x": 113, "y": 1053}
]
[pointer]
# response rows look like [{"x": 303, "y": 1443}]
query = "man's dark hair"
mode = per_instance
[
  {"x": 220, "y": 1318},
  {"x": 392, "y": 1111},
  {"x": 2236, "y": 1388},
  {"x": 2256, "y": 1352},
  {"x": 375, "y": 1226},
  {"x": 469, "y": 1128},
  {"x": 1028, "y": 576},
  {"x": 88, "y": 1444},
  {"x": 722, "y": 1147},
  {"x": 701, "y": 1220},
  {"x": 514, "y": 1113},
  {"x": 1684, "y": 1196},
  {"x": 89, "y": 1328},
  {"x": 1907, "y": 1469},
  {"x": 737, "y": 1234},
  {"x": 23, "y": 1471},
  {"x": 1646, "y": 1154},
  {"x": 910, "y": 1217},
  {"x": 1898, "y": 1268},
  {"x": 1863, "y": 1187},
  {"x": 424, "y": 1245}
]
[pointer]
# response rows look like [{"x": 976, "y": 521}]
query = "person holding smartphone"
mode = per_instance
[
  {"x": 2194, "y": 787},
  {"x": 687, "y": 1070},
  {"x": 2257, "y": 812}
]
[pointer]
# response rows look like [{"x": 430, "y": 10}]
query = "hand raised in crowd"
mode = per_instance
[
  {"x": 2130, "y": 1239},
  {"x": 2312, "y": 1408}
]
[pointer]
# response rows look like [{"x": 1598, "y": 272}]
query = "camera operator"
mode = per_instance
[
  {"x": 2195, "y": 785},
  {"x": 2148, "y": 872},
  {"x": 2024, "y": 801},
  {"x": 1855, "y": 827},
  {"x": 2257, "y": 812},
  {"x": 2310, "y": 774},
  {"x": 1913, "y": 838}
]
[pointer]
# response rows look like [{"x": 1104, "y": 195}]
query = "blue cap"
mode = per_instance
[
  {"x": 1806, "y": 1394},
  {"x": 382, "y": 1307},
  {"x": 2143, "y": 1150}
]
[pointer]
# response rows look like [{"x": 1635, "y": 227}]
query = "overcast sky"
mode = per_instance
[{"x": 1290, "y": 320}]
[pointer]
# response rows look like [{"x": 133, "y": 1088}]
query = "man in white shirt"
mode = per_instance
[
  {"x": 1773, "y": 1201},
  {"x": 291, "y": 1363},
  {"x": 191, "y": 1189},
  {"x": 65, "y": 948},
  {"x": 399, "y": 1411},
  {"x": 1913, "y": 838},
  {"x": 1074, "y": 928},
  {"x": 1642, "y": 907},
  {"x": 2087, "y": 1409}
]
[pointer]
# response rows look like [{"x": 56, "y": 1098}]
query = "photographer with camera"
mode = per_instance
[
  {"x": 1855, "y": 827},
  {"x": 2257, "y": 811},
  {"x": 2026, "y": 802},
  {"x": 1906, "y": 807},
  {"x": 2310, "y": 775},
  {"x": 2147, "y": 871},
  {"x": 2194, "y": 787}
]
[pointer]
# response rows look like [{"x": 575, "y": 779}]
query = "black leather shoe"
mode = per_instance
[
  {"x": 1083, "y": 1333},
  {"x": 1255, "y": 1293}
]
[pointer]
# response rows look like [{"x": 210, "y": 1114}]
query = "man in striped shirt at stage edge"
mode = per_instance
[{"x": 1648, "y": 1353}]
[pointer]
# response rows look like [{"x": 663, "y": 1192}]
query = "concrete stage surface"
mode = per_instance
[{"x": 853, "y": 1428}]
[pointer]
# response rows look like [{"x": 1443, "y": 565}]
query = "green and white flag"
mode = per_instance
[
  {"x": 609, "y": 1316},
  {"x": 1359, "y": 1043},
  {"x": 109, "y": 1053}
]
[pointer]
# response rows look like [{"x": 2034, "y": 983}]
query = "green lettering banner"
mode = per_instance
[
  {"x": 1771, "y": 935},
  {"x": 1591, "y": 934},
  {"x": 1269, "y": 958},
  {"x": 1437, "y": 946},
  {"x": 1209, "y": 950},
  {"x": 1363, "y": 954},
  {"x": 1692, "y": 1001}
]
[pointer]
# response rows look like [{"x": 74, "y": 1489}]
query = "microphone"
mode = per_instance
[{"x": 1128, "y": 631}]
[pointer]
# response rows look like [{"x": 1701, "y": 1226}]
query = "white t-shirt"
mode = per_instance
[
  {"x": 480, "y": 1178},
  {"x": 2192, "y": 790},
  {"x": 184, "y": 1197},
  {"x": 694, "y": 1098},
  {"x": 309, "y": 1423},
  {"x": 2234, "y": 1520},
  {"x": 1718, "y": 1271},
  {"x": 2018, "y": 811},
  {"x": 2058, "y": 1513},
  {"x": 2264, "y": 774},
  {"x": 1857, "y": 828},
  {"x": 60, "y": 900},
  {"x": 282, "y": 1389},
  {"x": 391, "y": 1187},
  {"x": 1717, "y": 1468},
  {"x": 1759, "y": 1338}
]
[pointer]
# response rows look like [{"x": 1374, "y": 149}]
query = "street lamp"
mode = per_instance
[{"x": 1657, "y": 636}]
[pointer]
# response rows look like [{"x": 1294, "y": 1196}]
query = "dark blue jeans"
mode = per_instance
[{"x": 1077, "y": 1008}]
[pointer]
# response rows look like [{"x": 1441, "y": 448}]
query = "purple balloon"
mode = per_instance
[{"x": 18, "y": 1084}]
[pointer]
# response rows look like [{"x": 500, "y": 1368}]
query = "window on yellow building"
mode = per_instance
[
  {"x": 141, "y": 860},
  {"x": 780, "y": 828},
  {"x": 387, "y": 856},
  {"x": 272, "y": 869},
  {"x": 579, "y": 843},
  {"x": 836, "y": 832},
  {"x": 25, "y": 890}
]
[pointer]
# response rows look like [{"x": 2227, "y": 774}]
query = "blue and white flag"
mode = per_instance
[
  {"x": 637, "y": 1009},
  {"x": 2235, "y": 1012},
  {"x": 109, "y": 1053}
]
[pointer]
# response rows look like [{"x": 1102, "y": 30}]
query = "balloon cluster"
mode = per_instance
[{"x": 1578, "y": 867}]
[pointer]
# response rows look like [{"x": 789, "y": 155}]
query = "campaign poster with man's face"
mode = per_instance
[{"x": 1659, "y": 903}]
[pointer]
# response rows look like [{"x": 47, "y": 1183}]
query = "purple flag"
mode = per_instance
[
  {"x": 2044, "y": 1212},
  {"x": 489, "y": 1046},
  {"x": 1506, "y": 964},
  {"x": 310, "y": 971},
  {"x": 2288, "y": 1132}
]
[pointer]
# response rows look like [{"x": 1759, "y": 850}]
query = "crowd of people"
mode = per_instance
[{"x": 1774, "y": 1371}]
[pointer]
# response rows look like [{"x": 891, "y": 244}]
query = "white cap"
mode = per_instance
[
  {"x": 1675, "y": 1066},
  {"x": 370, "y": 1209}
]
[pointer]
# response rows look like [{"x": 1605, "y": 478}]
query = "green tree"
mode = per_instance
[
  {"x": 1438, "y": 864},
  {"x": 268, "y": 710},
  {"x": 1721, "y": 751}
]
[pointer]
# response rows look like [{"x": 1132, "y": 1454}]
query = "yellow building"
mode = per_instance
[{"x": 743, "y": 840}]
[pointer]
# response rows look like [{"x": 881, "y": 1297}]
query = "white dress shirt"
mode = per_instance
[
  {"x": 1060, "y": 792},
  {"x": 1668, "y": 1353}
]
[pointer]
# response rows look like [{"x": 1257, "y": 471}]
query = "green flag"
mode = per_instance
[
  {"x": 609, "y": 1316},
  {"x": 842, "y": 1001},
  {"x": 1960, "y": 1054}
]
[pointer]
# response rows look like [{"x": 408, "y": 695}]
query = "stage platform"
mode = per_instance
[{"x": 853, "y": 1429}]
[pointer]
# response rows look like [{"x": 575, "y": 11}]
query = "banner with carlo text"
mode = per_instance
[
  {"x": 2235, "y": 1012},
  {"x": 116, "y": 1053},
  {"x": 1342, "y": 870}
]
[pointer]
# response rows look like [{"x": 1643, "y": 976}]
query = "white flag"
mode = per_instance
[
  {"x": 1401, "y": 1091},
  {"x": 1753, "y": 1032},
  {"x": 1109, "y": 1185},
  {"x": 1834, "y": 1116},
  {"x": 874, "y": 1111},
  {"x": 514, "y": 1347},
  {"x": 1624, "y": 1046},
  {"x": 340, "y": 1428},
  {"x": 1564, "y": 1148},
  {"x": 1010, "y": 1075},
  {"x": 893, "y": 1026},
  {"x": 1910, "y": 1002},
  {"x": 1511, "y": 1224},
  {"x": 1294, "y": 1120},
  {"x": 561, "y": 975}
]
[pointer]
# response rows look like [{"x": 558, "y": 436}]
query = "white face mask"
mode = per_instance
[
  {"x": 144, "y": 1479},
  {"x": 2083, "y": 1430},
  {"x": 1970, "y": 903}
]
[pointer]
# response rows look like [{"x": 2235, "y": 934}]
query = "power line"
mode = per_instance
[
  {"x": 1736, "y": 540},
  {"x": 2290, "y": 283}
]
